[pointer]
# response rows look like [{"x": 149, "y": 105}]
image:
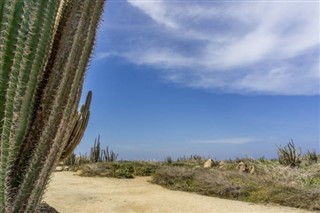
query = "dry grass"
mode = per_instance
[{"x": 272, "y": 183}]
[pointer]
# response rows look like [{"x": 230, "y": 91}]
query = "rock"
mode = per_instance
[
  {"x": 222, "y": 164},
  {"x": 252, "y": 170},
  {"x": 45, "y": 208},
  {"x": 59, "y": 169},
  {"x": 241, "y": 167},
  {"x": 208, "y": 164},
  {"x": 78, "y": 172},
  {"x": 66, "y": 168}
]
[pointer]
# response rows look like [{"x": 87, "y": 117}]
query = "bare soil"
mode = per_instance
[{"x": 70, "y": 193}]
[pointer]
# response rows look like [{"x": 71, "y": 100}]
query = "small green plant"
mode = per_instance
[{"x": 289, "y": 156}]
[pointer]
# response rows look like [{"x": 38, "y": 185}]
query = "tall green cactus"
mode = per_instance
[{"x": 45, "y": 46}]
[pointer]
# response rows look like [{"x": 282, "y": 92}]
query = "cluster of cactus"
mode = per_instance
[
  {"x": 109, "y": 156},
  {"x": 98, "y": 155},
  {"x": 311, "y": 157},
  {"x": 289, "y": 156},
  {"x": 45, "y": 46},
  {"x": 95, "y": 151}
]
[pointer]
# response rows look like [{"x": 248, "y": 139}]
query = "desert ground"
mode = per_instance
[{"x": 70, "y": 193}]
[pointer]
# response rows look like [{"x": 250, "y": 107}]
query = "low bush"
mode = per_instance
[
  {"x": 120, "y": 169},
  {"x": 273, "y": 183}
]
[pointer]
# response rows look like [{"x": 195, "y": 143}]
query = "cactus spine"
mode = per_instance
[{"x": 45, "y": 46}]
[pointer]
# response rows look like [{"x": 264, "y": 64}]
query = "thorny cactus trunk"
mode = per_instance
[{"x": 45, "y": 46}]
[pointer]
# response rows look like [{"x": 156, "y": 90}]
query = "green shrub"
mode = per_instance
[{"x": 120, "y": 169}]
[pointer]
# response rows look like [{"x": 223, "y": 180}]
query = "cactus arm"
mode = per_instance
[
  {"x": 54, "y": 119},
  {"x": 2, "y": 6},
  {"x": 79, "y": 77},
  {"x": 40, "y": 41},
  {"x": 8, "y": 85},
  {"x": 63, "y": 133},
  {"x": 45, "y": 47},
  {"x": 13, "y": 99},
  {"x": 46, "y": 90},
  {"x": 10, "y": 24},
  {"x": 41, "y": 125},
  {"x": 78, "y": 129},
  {"x": 8, "y": 29},
  {"x": 51, "y": 160}
]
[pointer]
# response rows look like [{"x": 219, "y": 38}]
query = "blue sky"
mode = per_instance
[{"x": 223, "y": 79}]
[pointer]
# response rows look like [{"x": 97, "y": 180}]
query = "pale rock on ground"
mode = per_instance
[
  {"x": 208, "y": 164},
  {"x": 241, "y": 167},
  {"x": 222, "y": 164},
  {"x": 59, "y": 169}
]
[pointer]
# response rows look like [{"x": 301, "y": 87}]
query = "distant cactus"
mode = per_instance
[
  {"x": 99, "y": 155},
  {"x": 95, "y": 155},
  {"x": 289, "y": 155},
  {"x": 311, "y": 157},
  {"x": 109, "y": 156},
  {"x": 45, "y": 46}
]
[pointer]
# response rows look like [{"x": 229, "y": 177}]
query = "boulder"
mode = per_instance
[
  {"x": 59, "y": 169},
  {"x": 66, "y": 168},
  {"x": 78, "y": 172},
  {"x": 222, "y": 164},
  {"x": 251, "y": 170},
  {"x": 241, "y": 167},
  {"x": 208, "y": 164}
]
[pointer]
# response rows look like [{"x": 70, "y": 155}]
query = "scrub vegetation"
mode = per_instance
[{"x": 295, "y": 183}]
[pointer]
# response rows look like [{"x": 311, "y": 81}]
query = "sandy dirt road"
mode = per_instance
[{"x": 73, "y": 194}]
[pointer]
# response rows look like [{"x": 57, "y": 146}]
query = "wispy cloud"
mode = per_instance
[
  {"x": 237, "y": 47},
  {"x": 225, "y": 141}
]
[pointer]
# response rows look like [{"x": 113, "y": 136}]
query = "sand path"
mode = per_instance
[{"x": 73, "y": 194}]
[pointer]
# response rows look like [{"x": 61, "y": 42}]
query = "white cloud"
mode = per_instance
[
  {"x": 225, "y": 141},
  {"x": 157, "y": 10},
  {"x": 103, "y": 55},
  {"x": 238, "y": 47}
]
